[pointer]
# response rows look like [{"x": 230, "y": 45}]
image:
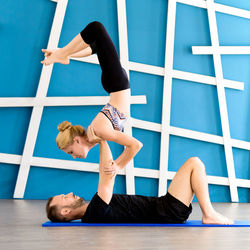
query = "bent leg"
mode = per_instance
[
  {"x": 114, "y": 77},
  {"x": 95, "y": 33},
  {"x": 191, "y": 179}
]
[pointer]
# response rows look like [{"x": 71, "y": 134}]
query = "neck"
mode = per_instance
[
  {"x": 79, "y": 212},
  {"x": 90, "y": 144}
]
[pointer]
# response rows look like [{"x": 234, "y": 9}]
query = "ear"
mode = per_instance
[
  {"x": 77, "y": 139},
  {"x": 65, "y": 211}
]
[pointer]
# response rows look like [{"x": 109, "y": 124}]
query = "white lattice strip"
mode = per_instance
[
  {"x": 37, "y": 111},
  {"x": 94, "y": 167},
  {"x": 156, "y": 70},
  {"x": 123, "y": 45},
  {"x": 182, "y": 75},
  {"x": 10, "y": 158},
  {"x": 218, "y": 7},
  {"x": 151, "y": 126},
  {"x": 206, "y": 79},
  {"x": 63, "y": 101},
  {"x": 190, "y": 134},
  {"x": 225, "y": 50},
  {"x": 222, "y": 100},
  {"x": 89, "y": 59},
  {"x": 166, "y": 100}
]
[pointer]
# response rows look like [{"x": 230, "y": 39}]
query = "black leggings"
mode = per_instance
[{"x": 114, "y": 77}]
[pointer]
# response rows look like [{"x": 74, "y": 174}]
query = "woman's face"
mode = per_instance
[{"x": 79, "y": 149}]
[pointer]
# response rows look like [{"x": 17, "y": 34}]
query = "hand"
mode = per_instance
[{"x": 111, "y": 169}]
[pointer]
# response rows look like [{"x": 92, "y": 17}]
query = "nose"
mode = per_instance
[{"x": 70, "y": 194}]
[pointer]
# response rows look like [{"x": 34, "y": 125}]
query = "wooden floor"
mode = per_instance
[{"x": 21, "y": 220}]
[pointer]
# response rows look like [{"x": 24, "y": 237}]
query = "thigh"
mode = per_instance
[
  {"x": 106, "y": 52},
  {"x": 180, "y": 187}
]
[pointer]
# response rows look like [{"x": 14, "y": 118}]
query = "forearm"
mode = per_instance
[
  {"x": 128, "y": 154},
  {"x": 106, "y": 181},
  {"x": 105, "y": 154},
  {"x": 131, "y": 144}
]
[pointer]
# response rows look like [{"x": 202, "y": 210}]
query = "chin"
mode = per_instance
[{"x": 85, "y": 154}]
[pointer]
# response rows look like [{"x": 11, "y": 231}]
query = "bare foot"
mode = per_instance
[
  {"x": 55, "y": 57},
  {"x": 48, "y": 52},
  {"x": 216, "y": 218}
]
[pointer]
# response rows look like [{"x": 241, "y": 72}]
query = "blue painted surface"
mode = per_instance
[
  {"x": 25, "y": 26},
  {"x": 189, "y": 223}
]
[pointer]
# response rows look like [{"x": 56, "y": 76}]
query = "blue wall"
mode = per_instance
[{"x": 24, "y": 30}]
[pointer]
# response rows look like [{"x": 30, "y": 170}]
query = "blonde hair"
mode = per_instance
[{"x": 67, "y": 134}]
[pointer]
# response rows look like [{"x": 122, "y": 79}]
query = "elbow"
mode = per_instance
[{"x": 138, "y": 145}]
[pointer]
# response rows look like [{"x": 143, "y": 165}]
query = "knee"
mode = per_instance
[
  {"x": 97, "y": 25},
  {"x": 195, "y": 162}
]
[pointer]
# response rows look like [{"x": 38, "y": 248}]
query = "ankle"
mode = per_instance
[
  {"x": 208, "y": 213},
  {"x": 64, "y": 52}
]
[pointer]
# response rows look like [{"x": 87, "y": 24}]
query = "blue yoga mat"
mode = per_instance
[{"x": 189, "y": 223}]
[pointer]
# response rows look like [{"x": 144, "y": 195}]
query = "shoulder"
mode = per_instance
[
  {"x": 96, "y": 209},
  {"x": 97, "y": 200}
]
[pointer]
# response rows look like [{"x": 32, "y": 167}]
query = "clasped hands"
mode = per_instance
[{"x": 111, "y": 168}]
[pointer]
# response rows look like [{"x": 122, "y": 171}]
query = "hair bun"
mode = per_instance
[{"x": 64, "y": 125}]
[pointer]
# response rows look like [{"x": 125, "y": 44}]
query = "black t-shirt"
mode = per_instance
[{"x": 136, "y": 209}]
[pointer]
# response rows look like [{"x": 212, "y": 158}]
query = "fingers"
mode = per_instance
[
  {"x": 110, "y": 172},
  {"x": 110, "y": 169}
]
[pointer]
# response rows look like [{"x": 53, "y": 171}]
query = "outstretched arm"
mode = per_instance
[{"x": 107, "y": 173}]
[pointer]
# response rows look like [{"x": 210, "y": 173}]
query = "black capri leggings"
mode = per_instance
[{"x": 114, "y": 77}]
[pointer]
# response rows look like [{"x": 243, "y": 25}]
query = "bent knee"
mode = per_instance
[
  {"x": 97, "y": 25},
  {"x": 195, "y": 162}
]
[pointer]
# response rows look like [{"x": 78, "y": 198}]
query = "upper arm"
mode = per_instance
[
  {"x": 103, "y": 128},
  {"x": 119, "y": 137},
  {"x": 105, "y": 193}
]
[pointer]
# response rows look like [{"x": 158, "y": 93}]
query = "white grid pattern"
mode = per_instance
[{"x": 27, "y": 159}]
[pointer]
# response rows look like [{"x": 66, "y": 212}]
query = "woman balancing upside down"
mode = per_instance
[{"x": 109, "y": 122}]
